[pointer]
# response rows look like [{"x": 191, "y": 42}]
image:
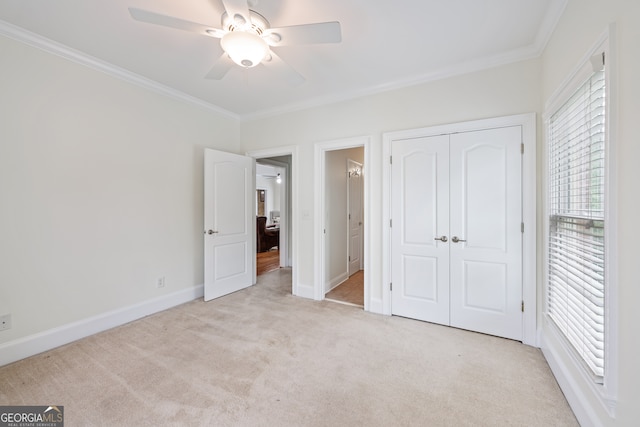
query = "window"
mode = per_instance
[{"x": 576, "y": 216}]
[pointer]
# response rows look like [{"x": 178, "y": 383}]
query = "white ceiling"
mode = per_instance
[{"x": 385, "y": 44}]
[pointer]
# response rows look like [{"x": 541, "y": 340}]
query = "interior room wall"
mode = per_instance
[
  {"x": 336, "y": 184},
  {"x": 272, "y": 196},
  {"x": 101, "y": 186},
  {"x": 500, "y": 91},
  {"x": 101, "y": 181},
  {"x": 581, "y": 25}
]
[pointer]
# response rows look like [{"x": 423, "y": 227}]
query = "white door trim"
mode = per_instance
[
  {"x": 529, "y": 282},
  {"x": 351, "y": 162},
  {"x": 291, "y": 150},
  {"x": 285, "y": 171},
  {"x": 319, "y": 174}
]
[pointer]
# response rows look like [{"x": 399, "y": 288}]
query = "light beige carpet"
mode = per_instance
[{"x": 261, "y": 357}]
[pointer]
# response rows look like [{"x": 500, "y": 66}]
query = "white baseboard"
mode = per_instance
[
  {"x": 570, "y": 386},
  {"x": 375, "y": 306},
  {"x": 304, "y": 291},
  {"x": 22, "y": 348}
]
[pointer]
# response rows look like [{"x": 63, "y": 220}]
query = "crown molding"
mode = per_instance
[
  {"x": 35, "y": 40},
  {"x": 462, "y": 68},
  {"x": 534, "y": 50},
  {"x": 549, "y": 23}
]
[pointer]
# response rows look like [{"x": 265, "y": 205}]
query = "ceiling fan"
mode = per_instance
[{"x": 247, "y": 38}]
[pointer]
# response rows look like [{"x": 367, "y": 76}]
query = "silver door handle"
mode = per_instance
[
  {"x": 211, "y": 232},
  {"x": 442, "y": 239},
  {"x": 455, "y": 239}
]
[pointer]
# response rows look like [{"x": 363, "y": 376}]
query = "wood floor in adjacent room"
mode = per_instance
[
  {"x": 350, "y": 291},
  {"x": 267, "y": 261}
]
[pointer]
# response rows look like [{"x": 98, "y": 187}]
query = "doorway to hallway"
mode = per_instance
[
  {"x": 343, "y": 218},
  {"x": 342, "y": 221},
  {"x": 272, "y": 213},
  {"x": 288, "y": 222}
]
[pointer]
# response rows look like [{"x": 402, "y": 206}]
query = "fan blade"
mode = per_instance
[
  {"x": 170, "y": 21},
  {"x": 220, "y": 68},
  {"x": 323, "y": 32},
  {"x": 237, "y": 7},
  {"x": 279, "y": 66}
]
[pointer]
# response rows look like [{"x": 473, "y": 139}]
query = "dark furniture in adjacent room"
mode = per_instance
[{"x": 268, "y": 237}]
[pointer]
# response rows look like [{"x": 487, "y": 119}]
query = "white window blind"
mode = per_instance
[{"x": 576, "y": 252}]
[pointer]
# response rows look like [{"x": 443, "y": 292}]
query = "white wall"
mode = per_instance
[
  {"x": 100, "y": 188},
  {"x": 272, "y": 193},
  {"x": 337, "y": 231},
  {"x": 101, "y": 181},
  {"x": 511, "y": 89},
  {"x": 580, "y": 27},
  {"x": 506, "y": 90}
]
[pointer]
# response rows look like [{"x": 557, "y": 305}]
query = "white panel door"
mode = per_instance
[
  {"x": 420, "y": 212},
  {"x": 229, "y": 221},
  {"x": 486, "y": 216},
  {"x": 465, "y": 190},
  {"x": 354, "y": 215}
]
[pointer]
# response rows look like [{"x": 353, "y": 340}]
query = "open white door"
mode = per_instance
[{"x": 229, "y": 222}]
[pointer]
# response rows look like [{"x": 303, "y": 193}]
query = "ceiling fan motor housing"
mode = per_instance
[
  {"x": 243, "y": 41},
  {"x": 245, "y": 49}
]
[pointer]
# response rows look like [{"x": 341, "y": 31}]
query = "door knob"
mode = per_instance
[
  {"x": 455, "y": 239},
  {"x": 442, "y": 239},
  {"x": 211, "y": 232}
]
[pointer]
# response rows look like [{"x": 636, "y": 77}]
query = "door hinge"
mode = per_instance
[
  {"x": 522, "y": 227},
  {"x": 390, "y": 223},
  {"x": 522, "y": 148},
  {"x": 390, "y": 286},
  {"x": 349, "y": 216},
  {"x": 522, "y": 307},
  {"x": 390, "y": 160},
  {"x": 349, "y": 258}
]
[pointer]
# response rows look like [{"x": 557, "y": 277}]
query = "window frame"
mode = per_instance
[
  {"x": 605, "y": 389},
  {"x": 574, "y": 219}
]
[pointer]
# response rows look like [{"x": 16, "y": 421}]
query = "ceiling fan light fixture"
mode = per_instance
[{"x": 245, "y": 49}]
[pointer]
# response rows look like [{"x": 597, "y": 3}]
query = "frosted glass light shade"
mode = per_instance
[{"x": 245, "y": 49}]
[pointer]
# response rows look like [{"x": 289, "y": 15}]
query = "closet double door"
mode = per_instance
[{"x": 456, "y": 237}]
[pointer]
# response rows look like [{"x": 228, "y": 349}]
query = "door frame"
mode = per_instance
[
  {"x": 529, "y": 259},
  {"x": 320, "y": 150},
  {"x": 360, "y": 237},
  {"x": 294, "y": 179},
  {"x": 285, "y": 170}
]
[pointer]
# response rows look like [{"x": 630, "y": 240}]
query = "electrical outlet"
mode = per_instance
[
  {"x": 160, "y": 282},
  {"x": 5, "y": 322}
]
